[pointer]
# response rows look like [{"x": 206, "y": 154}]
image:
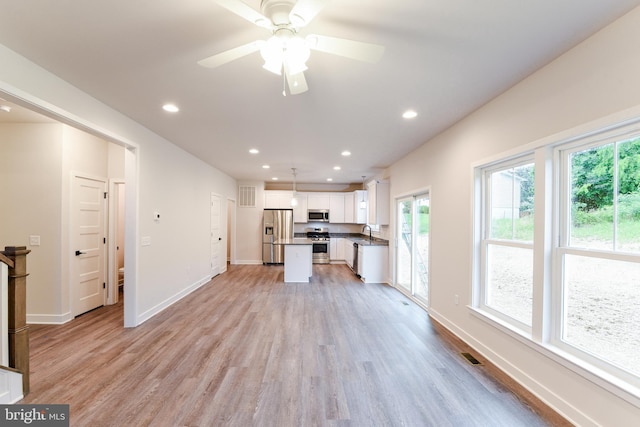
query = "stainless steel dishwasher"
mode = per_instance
[{"x": 355, "y": 259}]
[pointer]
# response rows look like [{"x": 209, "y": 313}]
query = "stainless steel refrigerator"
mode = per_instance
[{"x": 276, "y": 224}]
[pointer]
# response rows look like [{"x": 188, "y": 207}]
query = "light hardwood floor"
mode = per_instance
[{"x": 249, "y": 350}]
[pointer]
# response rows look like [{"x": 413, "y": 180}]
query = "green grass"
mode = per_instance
[
  {"x": 628, "y": 230},
  {"x": 423, "y": 222}
]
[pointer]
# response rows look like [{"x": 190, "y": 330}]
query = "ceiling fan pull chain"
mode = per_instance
[{"x": 284, "y": 84}]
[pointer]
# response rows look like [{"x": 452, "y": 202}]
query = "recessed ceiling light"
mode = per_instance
[
  {"x": 336, "y": 168},
  {"x": 409, "y": 114},
  {"x": 275, "y": 178},
  {"x": 346, "y": 153},
  {"x": 254, "y": 151},
  {"x": 265, "y": 166},
  {"x": 170, "y": 108},
  {"x": 329, "y": 179}
]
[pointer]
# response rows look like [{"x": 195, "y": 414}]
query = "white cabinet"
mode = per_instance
[
  {"x": 336, "y": 252},
  {"x": 277, "y": 199},
  {"x": 373, "y": 263},
  {"x": 274, "y": 199},
  {"x": 300, "y": 210},
  {"x": 344, "y": 208},
  {"x": 318, "y": 201},
  {"x": 360, "y": 207},
  {"x": 349, "y": 208},
  {"x": 336, "y": 208},
  {"x": 378, "y": 195}
]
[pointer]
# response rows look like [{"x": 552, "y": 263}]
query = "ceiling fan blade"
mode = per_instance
[
  {"x": 245, "y": 11},
  {"x": 360, "y": 51},
  {"x": 305, "y": 10},
  {"x": 297, "y": 83},
  {"x": 230, "y": 55}
]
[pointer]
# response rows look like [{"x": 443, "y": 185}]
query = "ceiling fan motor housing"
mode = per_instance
[{"x": 277, "y": 10}]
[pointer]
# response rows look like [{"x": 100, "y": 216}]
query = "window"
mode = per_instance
[
  {"x": 571, "y": 286},
  {"x": 507, "y": 243},
  {"x": 599, "y": 253}
]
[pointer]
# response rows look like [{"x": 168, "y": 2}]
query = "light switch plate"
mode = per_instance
[{"x": 34, "y": 240}]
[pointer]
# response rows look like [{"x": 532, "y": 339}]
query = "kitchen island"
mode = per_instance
[{"x": 298, "y": 254}]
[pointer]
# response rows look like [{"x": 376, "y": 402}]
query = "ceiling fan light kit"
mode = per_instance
[{"x": 285, "y": 50}]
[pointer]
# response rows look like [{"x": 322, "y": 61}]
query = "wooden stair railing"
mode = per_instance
[{"x": 18, "y": 328}]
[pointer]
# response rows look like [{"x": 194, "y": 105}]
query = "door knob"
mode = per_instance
[{"x": 80, "y": 253}]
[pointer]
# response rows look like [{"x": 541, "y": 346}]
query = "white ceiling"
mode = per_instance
[{"x": 443, "y": 58}]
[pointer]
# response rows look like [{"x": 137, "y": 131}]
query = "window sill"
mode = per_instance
[{"x": 606, "y": 380}]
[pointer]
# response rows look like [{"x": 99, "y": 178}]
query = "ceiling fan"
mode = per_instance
[{"x": 286, "y": 51}]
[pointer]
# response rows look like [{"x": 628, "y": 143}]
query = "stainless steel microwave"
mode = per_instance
[{"x": 318, "y": 215}]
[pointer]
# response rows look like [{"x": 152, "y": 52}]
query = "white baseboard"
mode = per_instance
[
  {"x": 49, "y": 319},
  {"x": 171, "y": 300}
]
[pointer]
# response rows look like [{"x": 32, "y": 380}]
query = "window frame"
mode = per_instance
[
  {"x": 618, "y": 127},
  {"x": 486, "y": 240},
  {"x": 562, "y": 247}
]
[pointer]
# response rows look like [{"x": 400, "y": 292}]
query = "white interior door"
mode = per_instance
[
  {"x": 88, "y": 243},
  {"x": 216, "y": 236}
]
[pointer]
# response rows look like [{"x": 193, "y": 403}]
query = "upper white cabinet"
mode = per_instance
[
  {"x": 336, "y": 208},
  {"x": 277, "y": 199},
  {"x": 360, "y": 205},
  {"x": 378, "y": 195},
  {"x": 344, "y": 208},
  {"x": 349, "y": 208},
  {"x": 274, "y": 199},
  {"x": 318, "y": 201},
  {"x": 300, "y": 210}
]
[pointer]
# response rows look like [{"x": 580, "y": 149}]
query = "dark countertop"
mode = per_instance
[
  {"x": 360, "y": 239},
  {"x": 294, "y": 241}
]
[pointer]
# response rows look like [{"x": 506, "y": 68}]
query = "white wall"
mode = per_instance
[
  {"x": 249, "y": 228},
  {"x": 596, "y": 79},
  {"x": 31, "y": 204},
  {"x": 159, "y": 177},
  {"x": 38, "y": 160}
]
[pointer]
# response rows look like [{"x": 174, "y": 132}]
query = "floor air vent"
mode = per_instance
[
  {"x": 404, "y": 302},
  {"x": 471, "y": 359}
]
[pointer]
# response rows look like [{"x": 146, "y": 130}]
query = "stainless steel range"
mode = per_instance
[{"x": 320, "y": 237}]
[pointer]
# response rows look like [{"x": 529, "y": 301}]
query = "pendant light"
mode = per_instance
[
  {"x": 294, "y": 200},
  {"x": 363, "y": 203}
]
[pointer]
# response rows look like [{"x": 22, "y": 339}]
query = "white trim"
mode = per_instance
[
  {"x": 594, "y": 374},
  {"x": 542, "y": 392},
  {"x": 4, "y": 314},
  {"x": 49, "y": 319},
  {"x": 550, "y": 154},
  {"x": 172, "y": 300},
  {"x": 249, "y": 262},
  {"x": 132, "y": 167},
  {"x": 112, "y": 239}
]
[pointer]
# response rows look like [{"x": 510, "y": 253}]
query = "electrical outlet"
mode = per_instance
[
  {"x": 456, "y": 299},
  {"x": 34, "y": 240}
]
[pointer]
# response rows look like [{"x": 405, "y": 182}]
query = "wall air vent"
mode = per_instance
[{"x": 246, "y": 196}]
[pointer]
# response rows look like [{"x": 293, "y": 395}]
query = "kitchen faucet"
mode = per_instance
[{"x": 365, "y": 226}]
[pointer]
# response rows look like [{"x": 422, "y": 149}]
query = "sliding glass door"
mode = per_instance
[{"x": 412, "y": 251}]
